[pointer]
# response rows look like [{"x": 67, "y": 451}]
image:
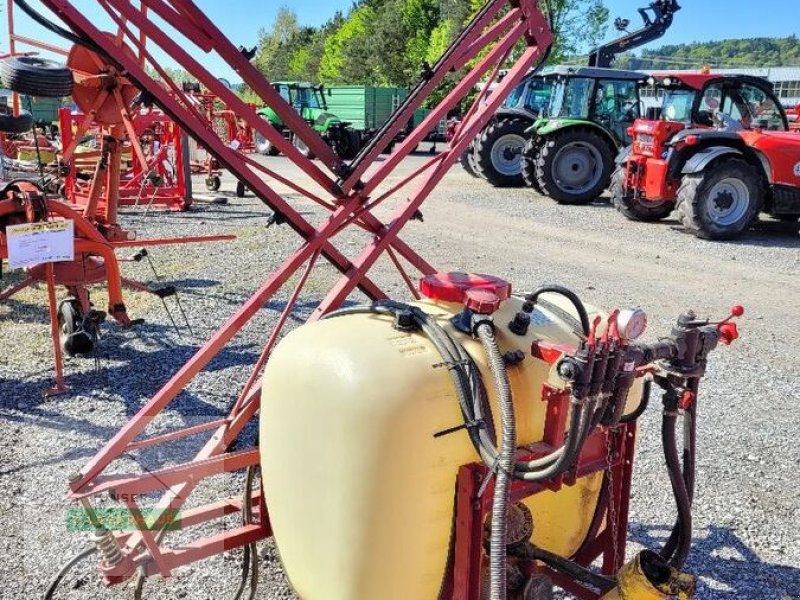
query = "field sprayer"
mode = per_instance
[{"x": 419, "y": 528}]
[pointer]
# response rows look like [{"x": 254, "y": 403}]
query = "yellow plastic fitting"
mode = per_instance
[{"x": 649, "y": 577}]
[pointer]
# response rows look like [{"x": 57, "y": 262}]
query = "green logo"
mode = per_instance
[{"x": 121, "y": 519}]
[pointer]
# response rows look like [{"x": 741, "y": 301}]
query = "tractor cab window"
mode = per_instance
[
  {"x": 677, "y": 105},
  {"x": 711, "y": 101},
  {"x": 307, "y": 98},
  {"x": 283, "y": 90},
  {"x": 763, "y": 111},
  {"x": 571, "y": 97},
  {"x": 616, "y": 105},
  {"x": 538, "y": 96}
]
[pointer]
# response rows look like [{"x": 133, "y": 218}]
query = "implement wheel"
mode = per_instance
[
  {"x": 721, "y": 202},
  {"x": 633, "y": 208},
  {"x": 574, "y": 166},
  {"x": 498, "y": 152}
]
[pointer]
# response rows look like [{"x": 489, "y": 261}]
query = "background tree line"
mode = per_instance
[
  {"x": 387, "y": 42},
  {"x": 750, "y": 52}
]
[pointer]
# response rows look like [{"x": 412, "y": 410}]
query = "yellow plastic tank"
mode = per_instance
[{"x": 360, "y": 493}]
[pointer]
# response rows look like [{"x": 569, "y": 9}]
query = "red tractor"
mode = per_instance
[{"x": 719, "y": 151}]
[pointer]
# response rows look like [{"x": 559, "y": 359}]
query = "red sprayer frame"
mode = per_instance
[{"x": 348, "y": 191}]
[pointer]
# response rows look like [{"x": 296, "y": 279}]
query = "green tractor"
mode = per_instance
[
  {"x": 570, "y": 154},
  {"x": 309, "y": 100}
]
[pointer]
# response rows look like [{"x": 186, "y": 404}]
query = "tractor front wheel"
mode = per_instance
[
  {"x": 265, "y": 147},
  {"x": 635, "y": 208},
  {"x": 467, "y": 161},
  {"x": 498, "y": 152},
  {"x": 302, "y": 147},
  {"x": 574, "y": 166},
  {"x": 530, "y": 158},
  {"x": 720, "y": 203}
]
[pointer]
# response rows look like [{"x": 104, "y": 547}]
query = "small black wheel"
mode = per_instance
[
  {"x": 467, "y": 161},
  {"x": 74, "y": 339},
  {"x": 634, "y": 208},
  {"x": 498, "y": 152},
  {"x": 241, "y": 188},
  {"x": 721, "y": 202},
  {"x": 574, "y": 166},
  {"x": 213, "y": 183},
  {"x": 302, "y": 147},
  {"x": 36, "y": 77},
  {"x": 9, "y": 123},
  {"x": 530, "y": 158}
]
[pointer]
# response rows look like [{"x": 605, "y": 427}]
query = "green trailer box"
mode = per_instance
[
  {"x": 43, "y": 109},
  {"x": 366, "y": 107}
]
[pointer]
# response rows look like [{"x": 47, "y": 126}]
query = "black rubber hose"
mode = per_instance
[
  {"x": 569, "y": 295},
  {"x": 643, "y": 404},
  {"x": 68, "y": 566},
  {"x": 689, "y": 457},
  {"x": 566, "y": 566},
  {"x": 679, "y": 489},
  {"x": 57, "y": 29}
]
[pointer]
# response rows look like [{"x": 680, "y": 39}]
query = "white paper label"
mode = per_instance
[{"x": 36, "y": 243}]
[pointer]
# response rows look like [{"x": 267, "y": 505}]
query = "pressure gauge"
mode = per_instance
[{"x": 631, "y": 323}]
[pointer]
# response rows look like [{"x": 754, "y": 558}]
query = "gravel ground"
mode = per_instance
[{"x": 747, "y": 521}]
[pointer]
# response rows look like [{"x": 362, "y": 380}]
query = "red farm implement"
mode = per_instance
[
  {"x": 348, "y": 193},
  {"x": 153, "y": 175}
]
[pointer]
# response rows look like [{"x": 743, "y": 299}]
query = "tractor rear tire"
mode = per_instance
[
  {"x": 574, "y": 166},
  {"x": 467, "y": 161},
  {"x": 498, "y": 152},
  {"x": 634, "y": 208},
  {"x": 530, "y": 157},
  {"x": 722, "y": 202},
  {"x": 9, "y": 123},
  {"x": 36, "y": 77}
]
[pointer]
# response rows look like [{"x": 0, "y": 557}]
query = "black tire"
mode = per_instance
[
  {"x": 36, "y": 77},
  {"x": 496, "y": 157},
  {"x": 74, "y": 340},
  {"x": 723, "y": 201},
  {"x": 346, "y": 142},
  {"x": 213, "y": 183},
  {"x": 530, "y": 158},
  {"x": 241, "y": 188},
  {"x": 634, "y": 208},
  {"x": 21, "y": 123},
  {"x": 301, "y": 146},
  {"x": 467, "y": 161},
  {"x": 580, "y": 150}
]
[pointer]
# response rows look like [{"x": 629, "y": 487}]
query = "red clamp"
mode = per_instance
[{"x": 687, "y": 399}]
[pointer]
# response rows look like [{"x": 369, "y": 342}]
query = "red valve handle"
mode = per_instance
[
  {"x": 737, "y": 311},
  {"x": 728, "y": 332}
]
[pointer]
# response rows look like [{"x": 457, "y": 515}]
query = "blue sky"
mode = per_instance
[{"x": 698, "y": 21}]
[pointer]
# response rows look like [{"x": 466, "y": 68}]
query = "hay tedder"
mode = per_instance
[{"x": 468, "y": 444}]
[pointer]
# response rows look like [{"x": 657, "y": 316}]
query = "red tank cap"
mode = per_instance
[
  {"x": 452, "y": 287},
  {"x": 481, "y": 301}
]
